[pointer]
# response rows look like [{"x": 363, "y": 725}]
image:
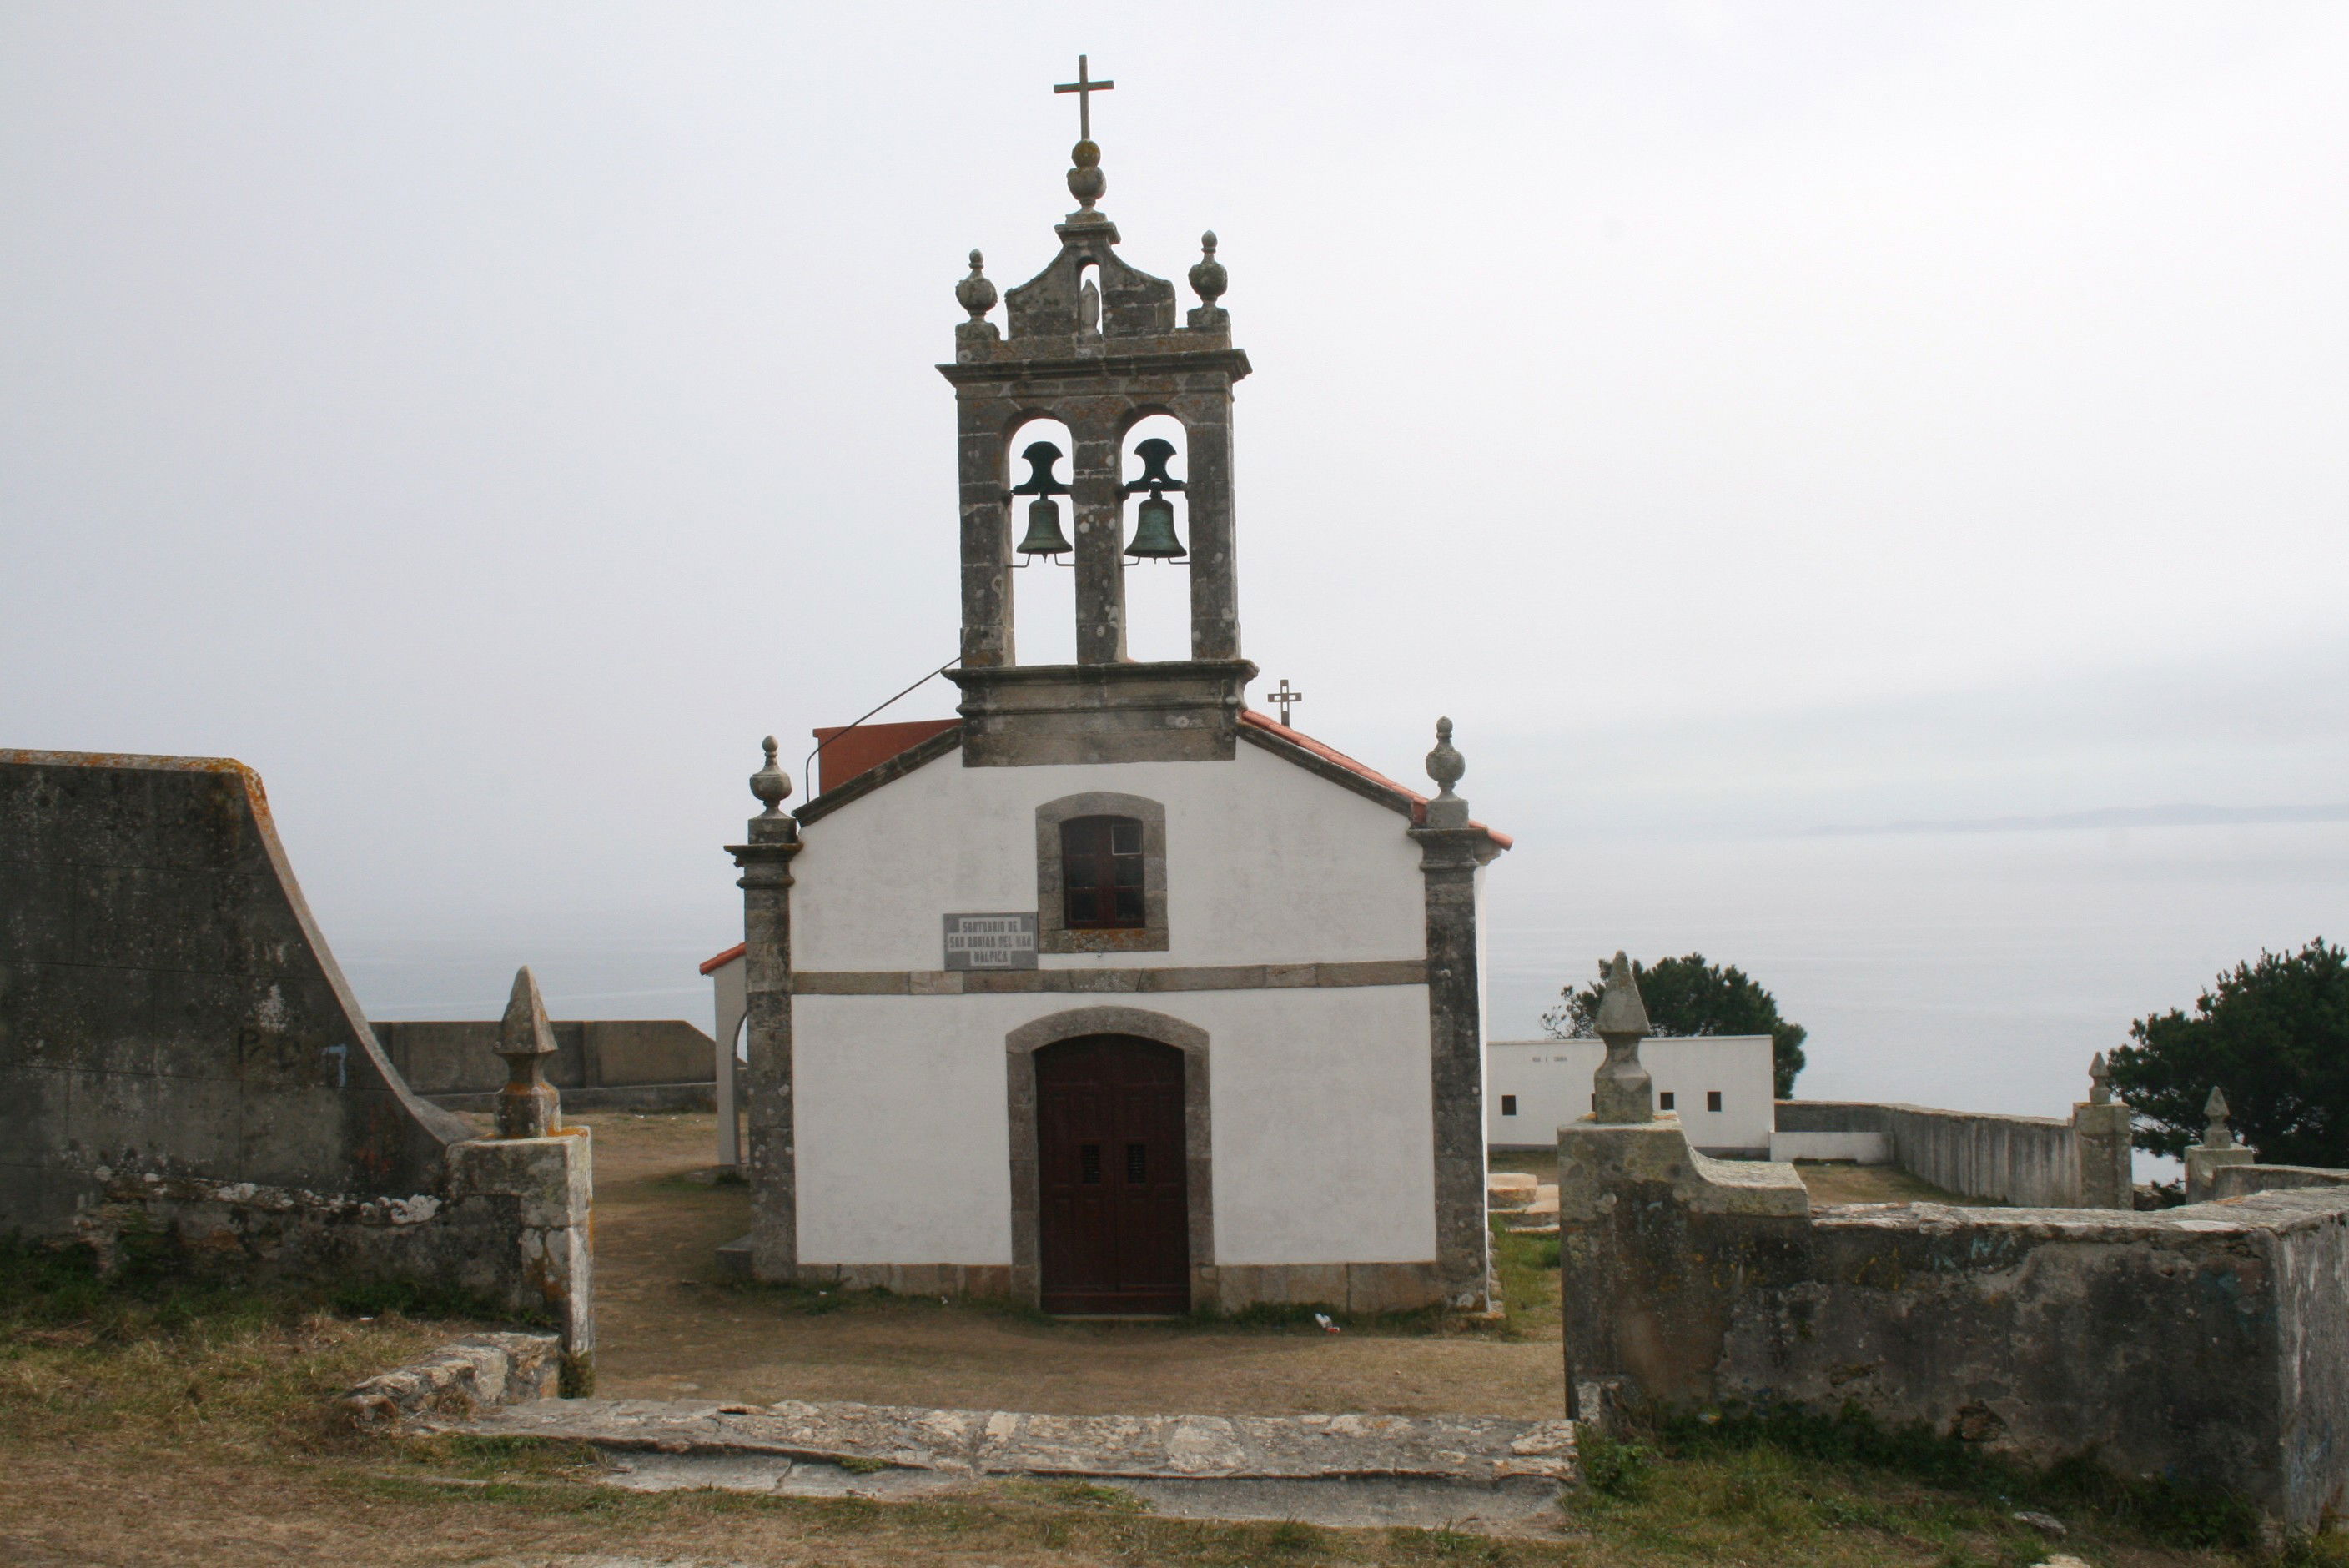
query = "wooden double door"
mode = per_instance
[{"x": 1113, "y": 1217}]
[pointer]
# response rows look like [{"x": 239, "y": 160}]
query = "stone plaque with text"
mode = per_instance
[{"x": 992, "y": 941}]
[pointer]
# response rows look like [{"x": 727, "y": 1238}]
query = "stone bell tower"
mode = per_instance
[{"x": 1099, "y": 356}]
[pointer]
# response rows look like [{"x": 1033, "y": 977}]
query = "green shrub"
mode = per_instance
[{"x": 1613, "y": 1466}]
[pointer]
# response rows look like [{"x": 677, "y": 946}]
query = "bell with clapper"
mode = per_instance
[
  {"x": 1153, "y": 528},
  {"x": 1044, "y": 536}
]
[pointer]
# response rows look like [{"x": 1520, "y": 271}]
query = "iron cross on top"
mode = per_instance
[{"x": 1085, "y": 86}]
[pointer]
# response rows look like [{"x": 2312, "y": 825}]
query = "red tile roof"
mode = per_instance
[
  {"x": 1328, "y": 753},
  {"x": 723, "y": 959}
]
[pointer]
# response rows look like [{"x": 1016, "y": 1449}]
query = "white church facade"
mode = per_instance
[{"x": 1113, "y": 994}]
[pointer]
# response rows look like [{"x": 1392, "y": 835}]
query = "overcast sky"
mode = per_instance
[{"x": 489, "y": 419}]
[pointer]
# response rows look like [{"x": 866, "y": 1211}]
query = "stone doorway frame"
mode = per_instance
[{"x": 1020, "y": 1047}]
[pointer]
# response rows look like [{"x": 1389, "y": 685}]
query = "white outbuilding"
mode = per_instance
[
  {"x": 1112, "y": 995},
  {"x": 1719, "y": 1085}
]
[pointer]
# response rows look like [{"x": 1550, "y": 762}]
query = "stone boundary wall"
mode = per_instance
[
  {"x": 2029, "y": 1161},
  {"x": 2207, "y": 1343},
  {"x": 2242, "y": 1181},
  {"x": 441, "y": 1059},
  {"x": 182, "y": 1060}
]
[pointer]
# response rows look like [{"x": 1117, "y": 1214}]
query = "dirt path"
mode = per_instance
[{"x": 669, "y": 1327}]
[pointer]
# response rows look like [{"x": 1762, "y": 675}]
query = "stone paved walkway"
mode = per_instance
[{"x": 1455, "y": 1448}]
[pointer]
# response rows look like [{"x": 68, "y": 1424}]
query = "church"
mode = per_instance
[{"x": 1113, "y": 995}]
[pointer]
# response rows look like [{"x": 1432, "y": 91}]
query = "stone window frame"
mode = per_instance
[
  {"x": 1052, "y": 934},
  {"x": 1020, "y": 1047}
]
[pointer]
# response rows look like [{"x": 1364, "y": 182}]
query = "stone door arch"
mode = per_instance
[{"x": 1021, "y": 1048}]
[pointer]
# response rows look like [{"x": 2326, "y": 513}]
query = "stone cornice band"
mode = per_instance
[{"x": 1109, "y": 982}]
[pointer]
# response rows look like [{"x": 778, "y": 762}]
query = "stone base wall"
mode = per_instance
[
  {"x": 509, "y": 1226},
  {"x": 1228, "y": 1287},
  {"x": 2206, "y": 1343}
]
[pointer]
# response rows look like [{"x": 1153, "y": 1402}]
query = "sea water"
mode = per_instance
[{"x": 1971, "y": 969}]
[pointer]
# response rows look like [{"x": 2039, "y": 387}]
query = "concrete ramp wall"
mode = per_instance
[
  {"x": 2028, "y": 1160},
  {"x": 167, "y": 1005},
  {"x": 460, "y": 1058}
]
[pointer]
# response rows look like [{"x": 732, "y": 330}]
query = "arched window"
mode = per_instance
[{"x": 1101, "y": 876}]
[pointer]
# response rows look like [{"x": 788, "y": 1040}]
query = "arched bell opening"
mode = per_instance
[
  {"x": 1152, "y": 461},
  {"x": 1043, "y": 532}
]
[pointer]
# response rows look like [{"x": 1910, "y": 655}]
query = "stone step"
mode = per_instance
[{"x": 1481, "y": 1450}]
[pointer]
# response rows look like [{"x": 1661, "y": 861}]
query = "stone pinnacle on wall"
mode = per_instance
[
  {"x": 528, "y": 1106},
  {"x": 1622, "y": 1091},
  {"x": 2216, "y": 1133}
]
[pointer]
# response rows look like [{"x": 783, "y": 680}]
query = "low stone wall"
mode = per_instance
[
  {"x": 2242, "y": 1181},
  {"x": 182, "y": 1059},
  {"x": 446, "y": 1059},
  {"x": 460, "y": 1380},
  {"x": 2030, "y": 1160},
  {"x": 2207, "y": 1343}
]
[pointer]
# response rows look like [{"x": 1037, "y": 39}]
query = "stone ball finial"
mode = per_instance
[
  {"x": 976, "y": 293},
  {"x": 771, "y": 784},
  {"x": 1208, "y": 278},
  {"x": 1444, "y": 764},
  {"x": 1087, "y": 183}
]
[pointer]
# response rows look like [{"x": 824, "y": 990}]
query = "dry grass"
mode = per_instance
[{"x": 670, "y": 1327}]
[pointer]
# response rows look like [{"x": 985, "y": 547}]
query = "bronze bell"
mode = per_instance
[
  {"x": 1044, "y": 535},
  {"x": 1153, "y": 532},
  {"x": 1153, "y": 526}
]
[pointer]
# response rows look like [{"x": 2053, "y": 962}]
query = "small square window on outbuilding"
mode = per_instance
[
  {"x": 1508, "y": 1104},
  {"x": 1712, "y": 1099},
  {"x": 1664, "y": 1100}
]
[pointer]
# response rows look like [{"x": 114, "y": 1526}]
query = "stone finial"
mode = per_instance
[
  {"x": 1208, "y": 278},
  {"x": 976, "y": 293},
  {"x": 1446, "y": 766},
  {"x": 771, "y": 784},
  {"x": 2217, "y": 1134},
  {"x": 1087, "y": 183},
  {"x": 2100, "y": 1080},
  {"x": 528, "y": 1107},
  {"x": 1624, "y": 1091}
]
